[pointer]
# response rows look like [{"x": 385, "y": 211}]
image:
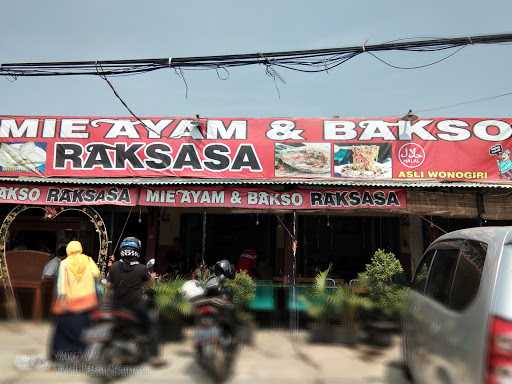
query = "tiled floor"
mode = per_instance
[{"x": 276, "y": 357}]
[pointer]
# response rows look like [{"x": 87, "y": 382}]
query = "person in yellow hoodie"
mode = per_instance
[{"x": 75, "y": 298}]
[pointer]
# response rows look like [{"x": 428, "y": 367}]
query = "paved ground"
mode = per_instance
[{"x": 276, "y": 357}]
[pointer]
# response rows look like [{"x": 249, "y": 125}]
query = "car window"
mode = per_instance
[
  {"x": 468, "y": 274},
  {"x": 442, "y": 273},
  {"x": 420, "y": 278}
]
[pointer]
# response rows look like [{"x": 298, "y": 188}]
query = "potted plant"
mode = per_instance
[
  {"x": 243, "y": 289},
  {"x": 335, "y": 311},
  {"x": 173, "y": 308},
  {"x": 387, "y": 298}
]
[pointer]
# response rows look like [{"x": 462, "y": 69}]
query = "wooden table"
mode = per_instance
[{"x": 25, "y": 270}]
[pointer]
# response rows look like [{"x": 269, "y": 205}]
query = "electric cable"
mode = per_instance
[
  {"x": 122, "y": 231},
  {"x": 313, "y": 60},
  {"x": 116, "y": 94},
  {"x": 473, "y": 101},
  {"x": 418, "y": 66}
]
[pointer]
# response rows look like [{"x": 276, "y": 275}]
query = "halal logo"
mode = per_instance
[{"x": 411, "y": 155}]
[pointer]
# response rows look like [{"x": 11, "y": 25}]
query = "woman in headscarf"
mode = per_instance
[
  {"x": 75, "y": 299},
  {"x": 247, "y": 261}
]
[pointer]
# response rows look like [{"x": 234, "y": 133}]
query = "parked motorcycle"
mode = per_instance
[
  {"x": 117, "y": 343},
  {"x": 215, "y": 335}
]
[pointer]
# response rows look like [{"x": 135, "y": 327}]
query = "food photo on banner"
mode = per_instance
[
  {"x": 302, "y": 159},
  {"x": 372, "y": 161},
  {"x": 23, "y": 157}
]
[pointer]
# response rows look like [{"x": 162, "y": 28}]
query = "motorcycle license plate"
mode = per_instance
[
  {"x": 204, "y": 334},
  {"x": 98, "y": 332}
]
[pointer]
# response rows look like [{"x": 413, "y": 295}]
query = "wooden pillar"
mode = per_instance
[
  {"x": 288, "y": 248},
  {"x": 280, "y": 250},
  {"x": 415, "y": 240},
  {"x": 152, "y": 230},
  {"x": 290, "y": 251},
  {"x": 404, "y": 250}
]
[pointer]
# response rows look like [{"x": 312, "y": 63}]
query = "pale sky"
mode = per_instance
[{"x": 34, "y": 30}]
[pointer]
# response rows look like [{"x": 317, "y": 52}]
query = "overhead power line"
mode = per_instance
[
  {"x": 466, "y": 102},
  {"x": 313, "y": 60}
]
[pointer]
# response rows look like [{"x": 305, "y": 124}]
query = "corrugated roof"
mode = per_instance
[{"x": 311, "y": 182}]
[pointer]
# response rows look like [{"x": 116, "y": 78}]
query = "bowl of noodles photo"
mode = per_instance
[{"x": 367, "y": 161}]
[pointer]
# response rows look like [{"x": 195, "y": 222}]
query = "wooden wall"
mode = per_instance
[{"x": 490, "y": 205}]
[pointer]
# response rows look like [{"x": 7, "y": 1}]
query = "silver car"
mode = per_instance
[{"x": 458, "y": 322}]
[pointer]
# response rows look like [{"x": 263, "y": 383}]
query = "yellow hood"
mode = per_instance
[{"x": 77, "y": 261}]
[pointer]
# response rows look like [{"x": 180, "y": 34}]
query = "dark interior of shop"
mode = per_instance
[
  {"x": 344, "y": 242},
  {"x": 227, "y": 236},
  {"x": 32, "y": 231}
]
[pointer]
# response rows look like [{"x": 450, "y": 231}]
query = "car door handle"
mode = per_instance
[{"x": 435, "y": 327}]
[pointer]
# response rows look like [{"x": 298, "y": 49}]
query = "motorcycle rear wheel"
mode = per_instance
[
  {"x": 221, "y": 363},
  {"x": 101, "y": 359}
]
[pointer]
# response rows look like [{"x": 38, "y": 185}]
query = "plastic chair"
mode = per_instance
[
  {"x": 297, "y": 304},
  {"x": 264, "y": 297}
]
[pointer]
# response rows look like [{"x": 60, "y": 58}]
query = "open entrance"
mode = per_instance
[
  {"x": 227, "y": 236},
  {"x": 30, "y": 239},
  {"x": 344, "y": 241}
]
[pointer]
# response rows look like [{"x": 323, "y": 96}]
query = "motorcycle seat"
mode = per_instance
[
  {"x": 215, "y": 301},
  {"x": 114, "y": 314}
]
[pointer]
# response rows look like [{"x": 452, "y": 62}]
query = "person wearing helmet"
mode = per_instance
[
  {"x": 127, "y": 278},
  {"x": 223, "y": 268}
]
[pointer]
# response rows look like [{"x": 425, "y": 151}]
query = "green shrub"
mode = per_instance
[
  {"x": 243, "y": 289},
  {"x": 170, "y": 300},
  {"x": 329, "y": 305},
  {"x": 387, "y": 297}
]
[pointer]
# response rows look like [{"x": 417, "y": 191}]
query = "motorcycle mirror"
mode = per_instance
[{"x": 150, "y": 264}]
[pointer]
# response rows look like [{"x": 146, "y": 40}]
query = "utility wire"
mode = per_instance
[
  {"x": 418, "y": 66},
  {"x": 122, "y": 231},
  {"x": 116, "y": 94},
  {"x": 473, "y": 101},
  {"x": 313, "y": 60}
]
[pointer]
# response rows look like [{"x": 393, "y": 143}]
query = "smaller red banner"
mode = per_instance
[
  {"x": 230, "y": 197},
  {"x": 258, "y": 198},
  {"x": 67, "y": 196}
]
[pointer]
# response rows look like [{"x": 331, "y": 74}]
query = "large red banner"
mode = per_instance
[{"x": 448, "y": 149}]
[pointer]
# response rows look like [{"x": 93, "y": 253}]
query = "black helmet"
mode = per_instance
[
  {"x": 130, "y": 247},
  {"x": 224, "y": 267}
]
